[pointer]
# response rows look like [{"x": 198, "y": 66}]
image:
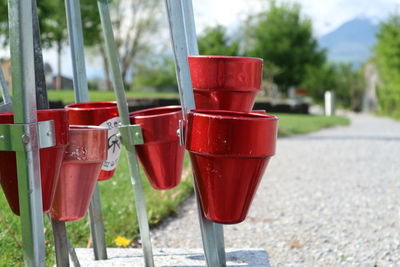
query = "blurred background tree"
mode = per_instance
[
  {"x": 280, "y": 34},
  {"x": 156, "y": 74},
  {"x": 215, "y": 41},
  {"x": 284, "y": 38},
  {"x": 137, "y": 25},
  {"x": 387, "y": 58}
]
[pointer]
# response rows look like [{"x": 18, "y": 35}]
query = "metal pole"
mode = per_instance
[
  {"x": 28, "y": 161},
  {"x": 42, "y": 102},
  {"x": 60, "y": 242},
  {"x": 41, "y": 91},
  {"x": 74, "y": 23},
  {"x": 119, "y": 90},
  {"x": 193, "y": 49},
  {"x": 184, "y": 41}
]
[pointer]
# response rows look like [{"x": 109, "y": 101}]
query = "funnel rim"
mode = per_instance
[
  {"x": 73, "y": 127},
  {"x": 175, "y": 109},
  {"x": 97, "y": 105},
  {"x": 237, "y": 89},
  {"x": 53, "y": 110},
  {"x": 231, "y": 115},
  {"x": 231, "y": 155},
  {"x": 220, "y": 57}
]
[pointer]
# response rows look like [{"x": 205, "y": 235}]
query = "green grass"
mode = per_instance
[
  {"x": 290, "y": 124},
  {"x": 118, "y": 201},
  {"x": 67, "y": 96},
  {"x": 119, "y": 215}
]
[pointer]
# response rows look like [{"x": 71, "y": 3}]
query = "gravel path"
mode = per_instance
[{"x": 330, "y": 198}]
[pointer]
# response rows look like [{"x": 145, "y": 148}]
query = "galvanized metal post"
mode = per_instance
[
  {"x": 42, "y": 101},
  {"x": 193, "y": 49},
  {"x": 118, "y": 85},
  {"x": 74, "y": 22},
  {"x": 60, "y": 243},
  {"x": 28, "y": 161},
  {"x": 184, "y": 42}
]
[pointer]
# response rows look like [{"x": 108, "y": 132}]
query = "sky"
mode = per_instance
[{"x": 327, "y": 15}]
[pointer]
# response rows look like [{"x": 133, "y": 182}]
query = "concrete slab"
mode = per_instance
[{"x": 170, "y": 257}]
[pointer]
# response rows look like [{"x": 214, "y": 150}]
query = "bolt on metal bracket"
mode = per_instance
[
  {"x": 18, "y": 137},
  {"x": 135, "y": 131}
]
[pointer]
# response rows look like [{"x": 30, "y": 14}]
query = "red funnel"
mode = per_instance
[
  {"x": 225, "y": 83},
  {"x": 50, "y": 160},
  {"x": 161, "y": 154},
  {"x": 103, "y": 114},
  {"x": 229, "y": 153},
  {"x": 81, "y": 166}
]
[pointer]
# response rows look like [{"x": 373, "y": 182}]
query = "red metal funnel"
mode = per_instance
[
  {"x": 104, "y": 114},
  {"x": 161, "y": 154},
  {"x": 225, "y": 83},
  {"x": 229, "y": 152},
  {"x": 50, "y": 160},
  {"x": 81, "y": 166}
]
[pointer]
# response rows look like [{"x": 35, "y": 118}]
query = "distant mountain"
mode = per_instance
[{"x": 352, "y": 42}]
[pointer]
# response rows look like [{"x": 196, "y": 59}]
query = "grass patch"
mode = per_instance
[
  {"x": 118, "y": 200},
  {"x": 67, "y": 96},
  {"x": 290, "y": 124},
  {"x": 119, "y": 215}
]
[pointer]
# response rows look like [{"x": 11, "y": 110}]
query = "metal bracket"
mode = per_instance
[
  {"x": 13, "y": 137},
  {"x": 181, "y": 132},
  {"x": 135, "y": 131}
]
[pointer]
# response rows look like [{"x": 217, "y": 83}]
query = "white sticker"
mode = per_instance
[{"x": 114, "y": 144}]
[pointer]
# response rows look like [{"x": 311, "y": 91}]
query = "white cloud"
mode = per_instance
[{"x": 326, "y": 14}]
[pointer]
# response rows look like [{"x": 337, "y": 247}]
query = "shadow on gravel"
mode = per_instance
[{"x": 253, "y": 258}]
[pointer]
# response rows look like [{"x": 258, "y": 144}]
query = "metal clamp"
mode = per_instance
[
  {"x": 18, "y": 137},
  {"x": 135, "y": 132},
  {"x": 181, "y": 132}
]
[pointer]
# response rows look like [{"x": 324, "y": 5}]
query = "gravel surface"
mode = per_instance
[{"x": 330, "y": 198}]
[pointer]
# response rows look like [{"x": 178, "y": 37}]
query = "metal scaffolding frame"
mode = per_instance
[{"x": 22, "y": 30}]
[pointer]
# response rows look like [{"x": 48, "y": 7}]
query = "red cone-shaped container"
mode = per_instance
[
  {"x": 229, "y": 152},
  {"x": 81, "y": 166},
  {"x": 225, "y": 83},
  {"x": 50, "y": 160},
  {"x": 161, "y": 154},
  {"x": 103, "y": 114}
]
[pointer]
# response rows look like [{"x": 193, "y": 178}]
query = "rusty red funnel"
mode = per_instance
[
  {"x": 229, "y": 152},
  {"x": 225, "y": 83},
  {"x": 105, "y": 114},
  {"x": 161, "y": 154},
  {"x": 81, "y": 166},
  {"x": 50, "y": 160}
]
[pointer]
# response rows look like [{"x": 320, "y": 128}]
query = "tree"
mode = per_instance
[
  {"x": 284, "y": 38},
  {"x": 387, "y": 58},
  {"x": 158, "y": 74},
  {"x": 53, "y": 26},
  {"x": 346, "y": 82},
  {"x": 136, "y": 25},
  {"x": 214, "y": 41},
  {"x": 319, "y": 79}
]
